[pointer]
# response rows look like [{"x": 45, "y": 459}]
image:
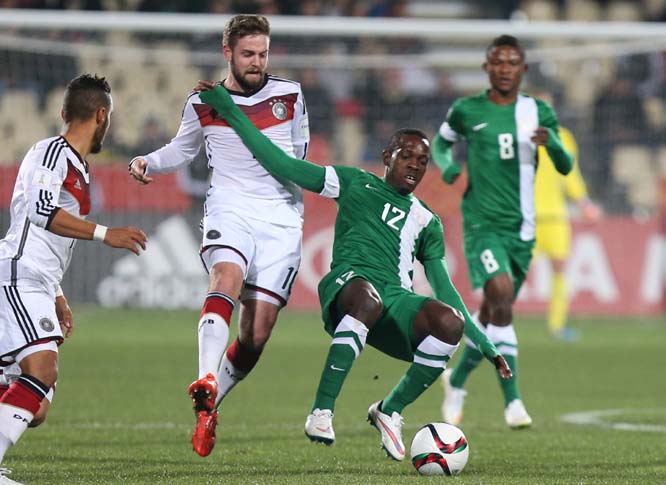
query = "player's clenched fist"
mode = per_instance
[
  {"x": 128, "y": 237},
  {"x": 137, "y": 170}
]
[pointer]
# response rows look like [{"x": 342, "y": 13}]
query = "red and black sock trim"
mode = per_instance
[
  {"x": 34, "y": 384},
  {"x": 242, "y": 357},
  {"x": 27, "y": 392},
  {"x": 220, "y": 304}
]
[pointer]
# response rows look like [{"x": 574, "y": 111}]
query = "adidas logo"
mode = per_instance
[{"x": 169, "y": 274}]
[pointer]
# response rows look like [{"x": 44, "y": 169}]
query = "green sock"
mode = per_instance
[
  {"x": 510, "y": 386},
  {"x": 469, "y": 360},
  {"x": 505, "y": 340},
  {"x": 415, "y": 381},
  {"x": 347, "y": 344},
  {"x": 338, "y": 364}
]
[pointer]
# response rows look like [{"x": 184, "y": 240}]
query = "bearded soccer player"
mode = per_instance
[
  {"x": 503, "y": 129},
  {"x": 252, "y": 224},
  {"x": 50, "y": 201},
  {"x": 367, "y": 296}
]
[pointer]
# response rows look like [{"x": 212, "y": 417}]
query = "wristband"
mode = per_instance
[
  {"x": 58, "y": 291},
  {"x": 100, "y": 233}
]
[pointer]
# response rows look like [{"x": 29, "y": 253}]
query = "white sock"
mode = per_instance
[
  {"x": 5, "y": 444},
  {"x": 227, "y": 377},
  {"x": 13, "y": 423},
  {"x": 434, "y": 352},
  {"x": 350, "y": 324},
  {"x": 213, "y": 337},
  {"x": 504, "y": 338}
]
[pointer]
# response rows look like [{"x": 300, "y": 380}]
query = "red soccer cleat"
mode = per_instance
[
  {"x": 203, "y": 438},
  {"x": 203, "y": 392}
]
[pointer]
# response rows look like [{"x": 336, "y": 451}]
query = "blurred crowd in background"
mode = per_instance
[
  {"x": 650, "y": 10},
  {"x": 615, "y": 105}
]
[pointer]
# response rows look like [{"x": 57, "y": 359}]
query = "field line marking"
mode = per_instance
[{"x": 596, "y": 418}]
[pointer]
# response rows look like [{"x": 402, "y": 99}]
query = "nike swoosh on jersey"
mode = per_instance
[
  {"x": 480, "y": 126},
  {"x": 368, "y": 186},
  {"x": 336, "y": 368}
]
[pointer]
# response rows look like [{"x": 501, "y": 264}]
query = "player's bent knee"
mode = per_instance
[
  {"x": 454, "y": 320},
  {"x": 441, "y": 321},
  {"x": 42, "y": 364}
]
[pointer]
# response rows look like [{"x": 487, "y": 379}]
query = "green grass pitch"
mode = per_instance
[{"x": 122, "y": 415}]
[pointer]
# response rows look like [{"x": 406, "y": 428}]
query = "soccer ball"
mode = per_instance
[{"x": 439, "y": 449}]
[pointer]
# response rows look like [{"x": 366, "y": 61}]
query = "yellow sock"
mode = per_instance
[{"x": 559, "y": 304}]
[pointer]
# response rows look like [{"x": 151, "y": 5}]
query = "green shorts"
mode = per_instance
[
  {"x": 489, "y": 253},
  {"x": 393, "y": 333}
]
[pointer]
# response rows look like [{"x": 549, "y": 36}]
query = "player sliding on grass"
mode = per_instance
[
  {"x": 50, "y": 201},
  {"x": 367, "y": 296}
]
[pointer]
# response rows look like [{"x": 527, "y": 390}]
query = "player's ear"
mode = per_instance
[
  {"x": 386, "y": 157},
  {"x": 226, "y": 52},
  {"x": 100, "y": 116}
]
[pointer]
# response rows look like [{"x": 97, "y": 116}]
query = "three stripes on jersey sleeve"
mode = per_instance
[
  {"x": 53, "y": 152},
  {"x": 45, "y": 205}
]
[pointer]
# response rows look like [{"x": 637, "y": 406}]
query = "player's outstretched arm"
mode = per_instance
[
  {"x": 303, "y": 173},
  {"x": 66, "y": 225},
  {"x": 443, "y": 289},
  {"x": 441, "y": 155}
]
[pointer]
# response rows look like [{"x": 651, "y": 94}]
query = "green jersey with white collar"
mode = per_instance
[
  {"x": 400, "y": 227},
  {"x": 501, "y": 160}
]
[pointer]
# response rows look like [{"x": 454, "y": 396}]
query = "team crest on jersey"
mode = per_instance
[
  {"x": 46, "y": 324},
  {"x": 280, "y": 110}
]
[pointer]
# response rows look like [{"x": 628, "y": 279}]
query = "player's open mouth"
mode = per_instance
[{"x": 411, "y": 179}]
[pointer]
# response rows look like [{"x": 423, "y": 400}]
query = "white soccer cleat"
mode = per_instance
[
  {"x": 390, "y": 428},
  {"x": 516, "y": 415},
  {"x": 319, "y": 426},
  {"x": 454, "y": 400},
  {"x": 4, "y": 479}
]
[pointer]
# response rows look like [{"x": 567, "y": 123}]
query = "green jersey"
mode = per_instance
[
  {"x": 378, "y": 230},
  {"x": 501, "y": 159}
]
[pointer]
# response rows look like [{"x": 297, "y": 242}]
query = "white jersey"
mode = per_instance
[
  {"x": 52, "y": 176},
  {"x": 239, "y": 183}
]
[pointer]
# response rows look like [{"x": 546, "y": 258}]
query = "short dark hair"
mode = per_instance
[
  {"x": 242, "y": 25},
  {"x": 84, "y": 95},
  {"x": 508, "y": 40},
  {"x": 396, "y": 137}
]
